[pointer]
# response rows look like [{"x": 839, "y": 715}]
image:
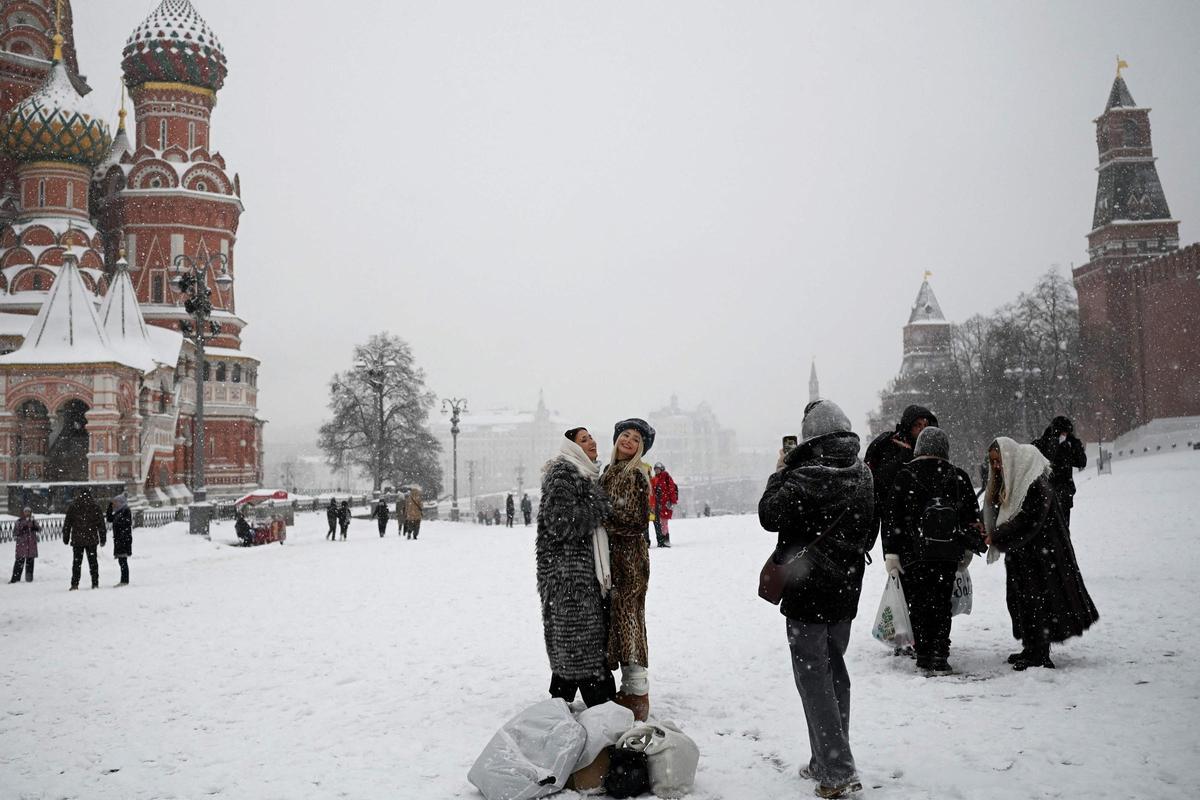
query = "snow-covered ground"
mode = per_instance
[{"x": 379, "y": 669}]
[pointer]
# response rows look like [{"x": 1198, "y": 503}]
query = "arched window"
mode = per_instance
[
  {"x": 162, "y": 135},
  {"x": 237, "y": 373},
  {"x": 220, "y": 372},
  {"x": 42, "y": 193}
]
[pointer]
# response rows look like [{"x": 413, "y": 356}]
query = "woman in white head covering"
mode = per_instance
[{"x": 1046, "y": 596}]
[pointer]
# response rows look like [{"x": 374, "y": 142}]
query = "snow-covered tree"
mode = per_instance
[{"x": 380, "y": 412}]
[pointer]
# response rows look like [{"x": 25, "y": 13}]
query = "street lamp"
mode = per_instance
[
  {"x": 456, "y": 406},
  {"x": 1022, "y": 374},
  {"x": 190, "y": 279}
]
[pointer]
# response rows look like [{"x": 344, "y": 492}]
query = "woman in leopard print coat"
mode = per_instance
[{"x": 628, "y": 491}]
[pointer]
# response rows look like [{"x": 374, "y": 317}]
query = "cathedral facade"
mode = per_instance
[{"x": 97, "y": 383}]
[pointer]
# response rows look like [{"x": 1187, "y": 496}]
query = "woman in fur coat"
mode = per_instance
[
  {"x": 1046, "y": 596},
  {"x": 573, "y": 576},
  {"x": 628, "y": 489}
]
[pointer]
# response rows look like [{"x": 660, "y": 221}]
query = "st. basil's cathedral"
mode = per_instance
[{"x": 97, "y": 383}]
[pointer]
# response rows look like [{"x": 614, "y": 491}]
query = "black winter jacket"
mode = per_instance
[
  {"x": 918, "y": 482},
  {"x": 820, "y": 479},
  {"x": 887, "y": 453},
  {"x": 1065, "y": 457}
]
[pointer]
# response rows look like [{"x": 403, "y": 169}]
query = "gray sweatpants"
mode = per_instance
[{"x": 820, "y": 670}]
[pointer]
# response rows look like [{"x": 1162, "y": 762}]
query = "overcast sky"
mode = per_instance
[{"x": 620, "y": 201}]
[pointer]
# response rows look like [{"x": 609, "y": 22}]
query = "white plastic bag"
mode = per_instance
[
  {"x": 532, "y": 755},
  {"x": 892, "y": 626},
  {"x": 671, "y": 756},
  {"x": 604, "y": 725},
  {"x": 960, "y": 595}
]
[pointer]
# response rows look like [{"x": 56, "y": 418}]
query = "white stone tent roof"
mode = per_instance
[
  {"x": 66, "y": 330},
  {"x": 123, "y": 324},
  {"x": 925, "y": 309}
]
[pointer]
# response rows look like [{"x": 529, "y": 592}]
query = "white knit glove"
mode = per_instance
[
  {"x": 891, "y": 562},
  {"x": 966, "y": 561}
]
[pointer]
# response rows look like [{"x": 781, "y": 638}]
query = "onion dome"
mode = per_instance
[
  {"x": 53, "y": 125},
  {"x": 174, "y": 45}
]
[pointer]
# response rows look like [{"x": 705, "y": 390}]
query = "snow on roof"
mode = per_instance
[
  {"x": 926, "y": 308},
  {"x": 165, "y": 344},
  {"x": 122, "y": 321},
  {"x": 66, "y": 330},
  {"x": 15, "y": 324}
]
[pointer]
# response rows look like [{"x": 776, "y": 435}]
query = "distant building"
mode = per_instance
[
  {"x": 500, "y": 450},
  {"x": 1139, "y": 294},
  {"x": 925, "y": 365},
  {"x": 692, "y": 444}
]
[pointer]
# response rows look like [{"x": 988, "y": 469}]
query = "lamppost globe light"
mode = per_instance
[
  {"x": 177, "y": 282},
  {"x": 223, "y": 280}
]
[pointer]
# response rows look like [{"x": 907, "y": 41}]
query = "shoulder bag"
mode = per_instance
[{"x": 782, "y": 570}]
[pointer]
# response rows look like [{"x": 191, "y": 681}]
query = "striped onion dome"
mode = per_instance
[{"x": 174, "y": 45}]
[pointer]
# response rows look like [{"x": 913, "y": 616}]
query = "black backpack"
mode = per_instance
[{"x": 938, "y": 534}]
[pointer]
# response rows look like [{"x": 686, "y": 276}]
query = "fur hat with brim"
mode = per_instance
[
  {"x": 639, "y": 425},
  {"x": 822, "y": 418}
]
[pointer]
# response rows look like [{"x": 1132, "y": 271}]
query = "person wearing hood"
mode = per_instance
[
  {"x": 84, "y": 530},
  {"x": 381, "y": 515},
  {"x": 574, "y": 576},
  {"x": 331, "y": 516},
  {"x": 935, "y": 529},
  {"x": 891, "y": 450},
  {"x": 628, "y": 489},
  {"x": 664, "y": 494},
  {"x": 822, "y": 489},
  {"x": 25, "y": 537},
  {"x": 1066, "y": 454},
  {"x": 1046, "y": 597},
  {"x": 120, "y": 517}
]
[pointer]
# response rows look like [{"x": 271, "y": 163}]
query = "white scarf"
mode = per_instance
[
  {"x": 573, "y": 454},
  {"x": 1023, "y": 464}
]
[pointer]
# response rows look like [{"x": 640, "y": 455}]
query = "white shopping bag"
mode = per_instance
[
  {"x": 532, "y": 755},
  {"x": 892, "y": 626},
  {"x": 604, "y": 725},
  {"x": 671, "y": 756},
  {"x": 960, "y": 595}
]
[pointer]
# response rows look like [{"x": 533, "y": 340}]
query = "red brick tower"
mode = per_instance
[
  {"x": 1139, "y": 302},
  {"x": 169, "y": 194}
]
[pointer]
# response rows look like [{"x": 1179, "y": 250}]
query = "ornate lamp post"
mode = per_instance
[
  {"x": 1021, "y": 374},
  {"x": 456, "y": 406},
  {"x": 190, "y": 279}
]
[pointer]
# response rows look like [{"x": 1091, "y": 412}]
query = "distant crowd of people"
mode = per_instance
[{"x": 85, "y": 531}]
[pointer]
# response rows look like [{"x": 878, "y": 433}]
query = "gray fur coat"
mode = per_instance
[{"x": 573, "y": 617}]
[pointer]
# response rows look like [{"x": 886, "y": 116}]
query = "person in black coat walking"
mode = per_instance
[
  {"x": 526, "y": 508},
  {"x": 121, "y": 519},
  {"x": 84, "y": 530},
  {"x": 510, "y": 510},
  {"x": 381, "y": 515},
  {"x": 891, "y": 450},
  {"x": 911, "y": 546},
  {"x": 823, "y": 489},
  {"x": 343, "y": 517},
  {"x": 331, "y": 516},
  {"x": 1066, "y": 454},
  {"x": 1046, "y": 597}
]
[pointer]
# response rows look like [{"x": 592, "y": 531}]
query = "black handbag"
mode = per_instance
[
  {"x": 628, "y": 773},
  {"x": 784, "y": 570}
]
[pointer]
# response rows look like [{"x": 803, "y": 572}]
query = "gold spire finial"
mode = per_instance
[
  {"x": 58, "y": 37},
  {"x": 1121, "y": 64},
  {"x": 928, "y": 274},
  {"x": 122, "y": 113}
]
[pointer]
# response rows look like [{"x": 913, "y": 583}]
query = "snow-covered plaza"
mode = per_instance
[{"x": 379, "y": 668}]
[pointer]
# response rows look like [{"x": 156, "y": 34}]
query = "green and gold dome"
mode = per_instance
[{"x": 53, "y": 125}]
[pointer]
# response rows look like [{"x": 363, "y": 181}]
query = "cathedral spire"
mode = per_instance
[{"x": 814, "y": 386}]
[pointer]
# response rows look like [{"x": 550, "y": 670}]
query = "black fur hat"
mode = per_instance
[{"x": 639, "y": 425}]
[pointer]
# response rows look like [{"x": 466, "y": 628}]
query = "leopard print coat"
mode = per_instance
[{"x": 626, "y": 524}]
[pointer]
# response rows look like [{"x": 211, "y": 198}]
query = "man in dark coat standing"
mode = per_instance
[
  {"x": 84, "y": 530},
  {"x": 891, "y": 450},
  {"x": 1066, "y": 454},
  {"x": 926, "y": 569},
  {"x": 381, "y": 515},
  {"x": 121, "y": 517},
  {"x": 526, "y": 508},
  {"x": 823, "y": 489},
  {"x": 510, "y": 510}
]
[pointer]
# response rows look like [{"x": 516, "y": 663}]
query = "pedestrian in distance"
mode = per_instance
[
  {"x": 496, "y": 516},
  {"x": 526, "y": 508},
  {"x": 380, "y": 514},
  {"x": 331, "y": 515},
  {"x": 628, "y": 489},
  {"x": 707, "y": 510},
  {"x": 242, "y": 527},
  {"x": 822, "y": 489},
  {"x": 413, "y": 513},
  {"x": 25, "y": 537},
  {"x": 343, "y": 517},
  {"x": 1046, "y": 597},
  {"x": 510, "y": 510},
  {"x": 664, "y": 495},
  {"x": 574, "y": 574},
  {"x": 84, "y": 530},
  {"x": 935, "y": 531},
  {"x": 120, "y": 517},
  {"x": 1066, "y": 454}
]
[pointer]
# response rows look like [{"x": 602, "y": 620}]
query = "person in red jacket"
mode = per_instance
[{"x": 664, "y": 494}]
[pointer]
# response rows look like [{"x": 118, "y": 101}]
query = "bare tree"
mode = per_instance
[{"x": 380, "y": 411}]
